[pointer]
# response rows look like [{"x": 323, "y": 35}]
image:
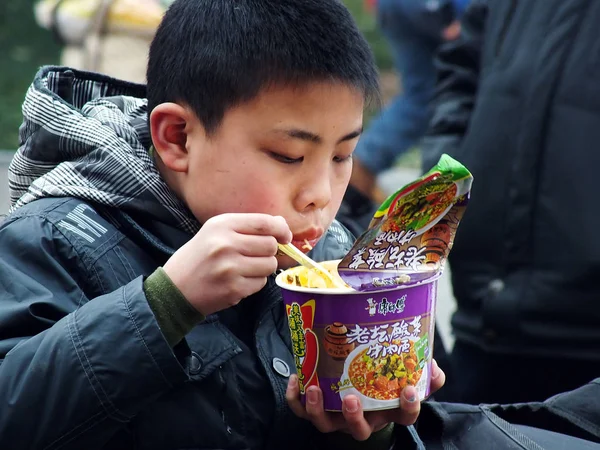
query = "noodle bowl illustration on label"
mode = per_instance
[{"x": 377, "y": 373}]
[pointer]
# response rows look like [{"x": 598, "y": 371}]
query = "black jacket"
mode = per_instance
[
  {"x": 83, "y": 363},
  {"x": 518, "y": 103}
]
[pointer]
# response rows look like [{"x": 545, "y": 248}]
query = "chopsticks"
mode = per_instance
[{"x": 298, "y": 256}]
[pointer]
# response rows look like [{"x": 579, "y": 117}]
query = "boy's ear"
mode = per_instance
[{"x": 170, "y": 125}]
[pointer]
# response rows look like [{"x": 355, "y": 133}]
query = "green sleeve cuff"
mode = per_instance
[
  {"x": 381, "y": 440},
  {"x": 174, "y": 314}
]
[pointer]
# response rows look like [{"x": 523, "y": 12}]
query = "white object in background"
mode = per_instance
[{"x": 73, "y": 19}]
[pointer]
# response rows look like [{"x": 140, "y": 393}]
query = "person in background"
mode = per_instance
[
  {"x": 414, "y": 29},
  {"x": 518, "y": 103}
]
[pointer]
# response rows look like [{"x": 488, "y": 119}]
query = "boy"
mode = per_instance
[{"x": 137, "y": 306}]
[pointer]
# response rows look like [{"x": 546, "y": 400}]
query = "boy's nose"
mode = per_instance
[{"x": 315, "y": 191}]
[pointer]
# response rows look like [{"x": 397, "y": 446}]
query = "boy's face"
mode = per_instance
[{"x": 287, "y": 152}]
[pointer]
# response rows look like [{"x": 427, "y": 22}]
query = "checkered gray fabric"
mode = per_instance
[{"x": 85, "y": 135}]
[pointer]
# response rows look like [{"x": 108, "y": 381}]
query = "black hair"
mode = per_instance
[{"x": 215, "y": 54}]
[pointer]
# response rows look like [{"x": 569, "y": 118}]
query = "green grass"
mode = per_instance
[{"x": 24, "y": 47}]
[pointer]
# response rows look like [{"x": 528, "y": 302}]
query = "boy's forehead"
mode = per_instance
[{"x": 283, "y": 105}]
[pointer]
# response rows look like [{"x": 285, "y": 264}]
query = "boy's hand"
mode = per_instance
[
  {"x": 352, "y": 419},
  {"x": 229, "y": 259}
]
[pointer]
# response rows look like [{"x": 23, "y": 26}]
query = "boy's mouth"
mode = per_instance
[{"x": 305, "y": 241}]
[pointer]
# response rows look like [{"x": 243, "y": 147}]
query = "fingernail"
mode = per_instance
[
  {"x": 410, "y": 395},
  {"x": 435, "y": 370},
  {"x": 312, "y": 397},
  {"x": 292, "y": 382},
  {"x": 351, "y": 405}
]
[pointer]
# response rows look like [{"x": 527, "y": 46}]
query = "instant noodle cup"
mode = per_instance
[
  {"x": 375, "y": 337},
  {"x": 369, "y": 344}
]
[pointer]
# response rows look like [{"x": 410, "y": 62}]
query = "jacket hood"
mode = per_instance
[{"x": 85, "y": 135}]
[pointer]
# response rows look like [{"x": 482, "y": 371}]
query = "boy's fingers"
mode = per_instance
[
  {"x": 292, "y": 395},
  {"x": 356, "y": 423},
  {"x": 256, "y": 245},
  {"x": 438, "y": 377},
  {"x": 259, "y": 267},
  {"x": 262, "y": 224},
  {"x": 410, "y": 406},
  {"x": 247, "y": 286},
  {"x": 315, "y": 412},
  {"x": 378, "y": 419}
]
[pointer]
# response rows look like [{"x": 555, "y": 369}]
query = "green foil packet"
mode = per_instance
[{"x": 411, "y": 234}]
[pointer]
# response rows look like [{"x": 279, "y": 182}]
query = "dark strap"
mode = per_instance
[
  {"x": 576, "y": 413},
  {"x": 446, "y": 426}
]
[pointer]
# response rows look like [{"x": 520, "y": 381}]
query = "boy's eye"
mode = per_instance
[
  {"x": 340, "y": 159},
  {"x": 285, "y": 159}
]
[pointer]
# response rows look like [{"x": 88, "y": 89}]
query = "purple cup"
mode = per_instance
[{"x": 346, "y": 341}]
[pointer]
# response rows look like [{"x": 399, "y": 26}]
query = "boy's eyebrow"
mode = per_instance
[{"x": 315, "y": 138}]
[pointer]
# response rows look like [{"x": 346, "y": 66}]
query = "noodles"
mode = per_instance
[
  {"x": 304, "y": 277},
  {"x": 307, "y": 245}
]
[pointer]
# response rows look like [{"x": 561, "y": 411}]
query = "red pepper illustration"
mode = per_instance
[
  {"x": 308, "y": 313},
  {"x": 309, "y": 365},
  {"x": 305, "y": 342}
]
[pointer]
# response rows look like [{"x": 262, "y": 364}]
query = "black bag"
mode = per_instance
[{"x": 568, "y": 421}]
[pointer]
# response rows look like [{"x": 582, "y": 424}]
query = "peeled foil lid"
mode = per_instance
[{"x": 411, "y": 234}]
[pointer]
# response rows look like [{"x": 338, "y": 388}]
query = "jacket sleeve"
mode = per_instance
[
  {"x": 336, "y": 242},
  {"x": 73, "y": 370},
  {"x": 458, "y": 65}
]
